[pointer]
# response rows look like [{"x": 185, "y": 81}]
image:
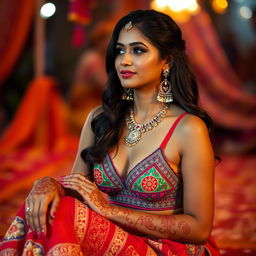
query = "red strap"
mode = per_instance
[{"x": 169, "y": 134}]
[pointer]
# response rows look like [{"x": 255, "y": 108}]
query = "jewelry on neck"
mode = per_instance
[{"x": 136, "y": 130}]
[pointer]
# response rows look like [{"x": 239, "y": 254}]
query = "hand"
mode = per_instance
[
  {"x": 89, "y": 191},
  {"x": 44, "y": 198}
]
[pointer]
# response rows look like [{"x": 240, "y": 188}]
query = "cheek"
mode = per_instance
[{"x": 150, "y": 64}]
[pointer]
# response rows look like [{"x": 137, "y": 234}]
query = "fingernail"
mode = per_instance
[{"x": 53, "y": 215}]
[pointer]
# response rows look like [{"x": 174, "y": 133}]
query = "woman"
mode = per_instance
[{"x": 147, "y": 147}]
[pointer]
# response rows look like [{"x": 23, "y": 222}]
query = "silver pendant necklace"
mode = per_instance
[{"x": 136, "y": 130}]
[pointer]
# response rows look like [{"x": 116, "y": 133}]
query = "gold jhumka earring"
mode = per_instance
[{"x": 165, "y": 90}]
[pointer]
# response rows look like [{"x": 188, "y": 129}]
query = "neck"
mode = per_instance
[{"x": 146, "y": 105}]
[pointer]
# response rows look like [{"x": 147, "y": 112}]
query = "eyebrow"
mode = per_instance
[{"x": 132, "y": 44}]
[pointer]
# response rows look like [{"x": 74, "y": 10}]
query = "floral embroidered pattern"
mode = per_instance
[
  {"x": 9, "y": 252},
  {"x": 105, "y": 178},
  {"x": 136, "y": 191},
  {"x": 65, "y": 249},
  {"x": 130, "y": 251},
  {"x": 194, "y": 250},
  {"x": 96, "y": 234},
  {"x": 81, "y": 220},
  {"x": 149, "y": 183},
  {"x": 150, "y": 252},
  {"x": 98, "y": 176},
  {"x": 33, "y": 248},
  {"x": 16, "y": 231},
  {"x": 155, "y": 244},
  {"x": 117, "y": 243}
]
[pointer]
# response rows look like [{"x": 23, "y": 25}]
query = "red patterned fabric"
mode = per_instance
[{"x": 77, "y": 230}]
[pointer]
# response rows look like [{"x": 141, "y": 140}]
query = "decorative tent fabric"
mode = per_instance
[
  {"x": 221, "y": 92},
  {"x": 15, "y": 21},
  {"x": 36, "y": 142}
]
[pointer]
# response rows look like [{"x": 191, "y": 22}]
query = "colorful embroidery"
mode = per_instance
[
  {"x": 9, "y": 252},
  {"x": 151, "y": 180},
  {"x": 194, "y": 250},
  {"x": 155, "y": 244},
  {"x": 107, "y": 180},
  {"x": 16, "y": 231},
  {"x": 150, "y": 252},
  {"x": 81, "y": 220},
  {"x": 151, "y": 185},
  {"x": 33, "y": 248},
  {"x": 65, "y": 249},
  {"x": 117, "y": 243},
  {"x": 98, "y": 176}
]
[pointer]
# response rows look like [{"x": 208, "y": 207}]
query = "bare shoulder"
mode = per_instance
[
  {"x": 192, "y": 124},
  {"x": 87, "y": 125},
  {"x": 95, "y": 112}
]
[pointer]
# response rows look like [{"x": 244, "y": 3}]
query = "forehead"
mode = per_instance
[{"x": 131, "y": 36}]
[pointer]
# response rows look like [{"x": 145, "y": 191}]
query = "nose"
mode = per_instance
[{"x": 126, "y": 59}]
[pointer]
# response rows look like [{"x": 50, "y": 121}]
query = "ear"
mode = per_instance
[{"x": 168, "y": 62}]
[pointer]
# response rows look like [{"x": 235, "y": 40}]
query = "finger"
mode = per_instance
[
  {"x": 72, "y": 182},
  {"x": 54, "y": 206},
  {"x": 28, "y": 208},
  {"x": 35, "y": 216},
  {"x": 31, "y": 216},
  {"x": 42, "y": 218},
  {"x": 81, "y": 190},
  {"x": 75, "y": 176}
]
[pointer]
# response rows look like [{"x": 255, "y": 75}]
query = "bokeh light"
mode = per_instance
[
  {"x": 180, "y": 10},
  {"x": 47, "y": 10},
  {"x": 220, "y": 6},
  {"x": 245, "y": 12}
]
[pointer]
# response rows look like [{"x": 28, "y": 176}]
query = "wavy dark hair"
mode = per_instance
[{"x": 166, "y": 36}]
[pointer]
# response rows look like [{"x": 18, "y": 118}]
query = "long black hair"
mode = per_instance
[{"x": 166, "y": 36}]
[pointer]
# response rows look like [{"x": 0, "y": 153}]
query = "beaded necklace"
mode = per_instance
[{"x": 136, "y": 130}]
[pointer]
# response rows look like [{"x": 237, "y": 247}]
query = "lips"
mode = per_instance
[{"x": 127, "y": 73}]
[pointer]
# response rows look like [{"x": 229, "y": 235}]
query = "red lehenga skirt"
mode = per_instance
[{"x": 77, "y": 230}]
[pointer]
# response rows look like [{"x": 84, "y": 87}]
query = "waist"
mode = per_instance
[
  {"x": 128, "y": 200},
  {"x": 161, "y": 212}
]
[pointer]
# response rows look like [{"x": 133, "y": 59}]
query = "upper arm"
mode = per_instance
[
  {"x": 86, "y": 140},
  {"x": 197, "y": 166}
]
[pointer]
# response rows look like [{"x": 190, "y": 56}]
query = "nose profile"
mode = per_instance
[{"x": 126, "y": 59}]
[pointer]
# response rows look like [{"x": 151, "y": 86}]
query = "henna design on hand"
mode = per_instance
[{"x": 47, "y": 185}]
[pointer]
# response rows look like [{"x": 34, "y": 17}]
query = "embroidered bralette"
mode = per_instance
[{"x": 151, "y": 185}]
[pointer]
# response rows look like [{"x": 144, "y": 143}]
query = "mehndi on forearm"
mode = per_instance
[{"x": 182, "y": 227}]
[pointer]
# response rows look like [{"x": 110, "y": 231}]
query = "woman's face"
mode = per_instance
[{"x": 137, "y": 62}]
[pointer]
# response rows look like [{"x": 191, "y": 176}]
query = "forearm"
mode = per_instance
[{"x": 182, "y": 227}]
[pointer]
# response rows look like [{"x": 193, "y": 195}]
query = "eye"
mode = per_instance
[
  {"x": 138, "y": 50},
  {"x": 119, "y": 51}
]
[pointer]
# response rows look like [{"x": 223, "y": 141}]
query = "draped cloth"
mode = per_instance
[
  {"x": 77, "y": 230},
  {"x": 37, "y": 142},
  {"x": 221, "y": 92},
  {"x": 15, "y": 22}
]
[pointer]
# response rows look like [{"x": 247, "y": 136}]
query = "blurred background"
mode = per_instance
[{"x": 52, "y": 73}]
